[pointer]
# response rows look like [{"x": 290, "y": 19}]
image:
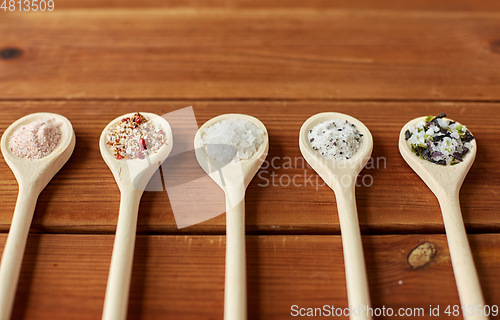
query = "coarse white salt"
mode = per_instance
[
  {"x": 232, "y": 140},
  {"x": 36, "y": 140},
  {"x": 338, "y": 139}
]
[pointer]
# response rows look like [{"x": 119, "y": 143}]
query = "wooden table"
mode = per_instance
[{"x": 383, "y": 62}]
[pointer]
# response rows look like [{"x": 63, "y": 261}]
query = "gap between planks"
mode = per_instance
[{"x": 447, "y": 101}]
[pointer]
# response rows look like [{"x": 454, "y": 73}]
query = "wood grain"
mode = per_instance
[
  {"x": 222, "y": 53},
  {"x": 381, "y": 61},
  {"x": 411, "y": 5},
  {"x": 64, "y": 276},
  {"x": 83, "y": 197}
]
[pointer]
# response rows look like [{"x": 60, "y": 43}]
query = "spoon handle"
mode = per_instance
[
  {"x": 13, "y": 253},
  {"x": 469, "y": 289},
  {"x": 117, "y": 289},
  {"x": 235, "y": 291},
  {"x": 358, "y": 295}
]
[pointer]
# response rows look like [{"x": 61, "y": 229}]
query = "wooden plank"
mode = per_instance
[
  {"x": 427, "y": 5},
  {"x": 83, "y": 197},
  {"x": 182, "y": 277},
  {"x": 247, "y": 54}
]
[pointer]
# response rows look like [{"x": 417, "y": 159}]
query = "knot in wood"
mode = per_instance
[
  {"x": 495, "y": 46},
  {"x": 10, "y": 53},
  {"x": 422, "y": 255}
]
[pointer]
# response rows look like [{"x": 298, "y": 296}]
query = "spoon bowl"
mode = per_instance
[
  {"x": 440, "y": 179},
  {"x": 340, "y": 175},
  {"x": 232, "y": 170},
  {"x": 445, "y": 183},
  {"x": 137, "y": 172},
  {"x": 32, "y": 177},
  {"x": 233, "y": 178},
  {"x": 39, "y": 171},
  {"x": 132, "y": 177},
  {"x": 330, "y": 169}
]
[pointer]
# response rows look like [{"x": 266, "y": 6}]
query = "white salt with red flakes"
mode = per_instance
[
  {"x": 135, "y": 137},
  {"x": 36, "y": 140}
]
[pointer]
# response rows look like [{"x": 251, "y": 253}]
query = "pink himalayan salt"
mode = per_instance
[{"x": 36, "y": 140}]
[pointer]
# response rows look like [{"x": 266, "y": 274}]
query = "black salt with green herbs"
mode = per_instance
[{"x": 440, "y": 141}]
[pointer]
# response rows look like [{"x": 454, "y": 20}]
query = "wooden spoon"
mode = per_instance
[
  {"x": 445, "y": 183},
  {"x": 340, "y": 175},
  {"x": 233, "y": 178},
  {"x": 32, "y": 176},
  {"x": 131, "y": 176}
]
